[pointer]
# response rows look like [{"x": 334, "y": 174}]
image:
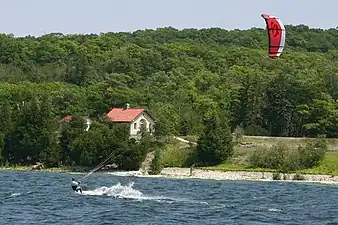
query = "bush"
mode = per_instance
[
  {"x": 156, "y": 165},
  {"x": 312, "y": 153},
  {"x": 285, "y": 160},
  {"x": 238, "y": 133},
  {"x": 298, "y": 177},
  {"x": 277, "y": 157},
  {"x": 276, "y": 176},
  {"x": 174, "y": 156}
]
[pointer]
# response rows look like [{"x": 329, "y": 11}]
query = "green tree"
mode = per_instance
[
  {"x": 69, "y": 131},
  {"x": 215, "y": 143}
]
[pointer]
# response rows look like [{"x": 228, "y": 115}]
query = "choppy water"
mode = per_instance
[{"x": 46, "y": 198}]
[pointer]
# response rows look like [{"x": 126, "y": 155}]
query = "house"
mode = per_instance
[{"x": 135, "y": 117}]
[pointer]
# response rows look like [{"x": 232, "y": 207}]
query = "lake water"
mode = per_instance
[{"x": 47, "y": 198}]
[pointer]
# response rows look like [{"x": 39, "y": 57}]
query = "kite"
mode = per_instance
[{"x": 277, "y": 34}]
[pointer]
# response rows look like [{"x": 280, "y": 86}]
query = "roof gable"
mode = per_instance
[{"x": 123, "y": 114}]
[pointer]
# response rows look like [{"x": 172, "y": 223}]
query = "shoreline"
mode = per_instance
[
  {"x": 185, "y": 173},
  {"x": 29, "y": 169}
]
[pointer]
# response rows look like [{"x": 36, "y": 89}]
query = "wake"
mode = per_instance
[
  {"x": 128, "y": 192},
  {"x": 117, "y": 191}
]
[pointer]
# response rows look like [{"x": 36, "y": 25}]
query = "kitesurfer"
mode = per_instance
[{"x": 76, "y": 186}]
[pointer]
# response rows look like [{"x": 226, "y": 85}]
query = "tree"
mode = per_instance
[
  {"x": 215, "y": 143},
  {"x": 179, "y": 76},
  {"x": 69, "y": 131}
]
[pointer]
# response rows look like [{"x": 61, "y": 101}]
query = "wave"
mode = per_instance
[
  {"x": 16, "y": 194},
  {"x": 128, "y": 192},
  {"x": 121, "y": 191}
]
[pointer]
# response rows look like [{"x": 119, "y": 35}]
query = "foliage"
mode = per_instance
[
  {"x": 312, "y": 153},
  {"x": 283, "y": 159},
  {"x": 174, "y": 155},
  {"x": 181, "y": 76},
  {"x": 238, "y": 134},
  {"x": 298, "y": 177},
  {"x": 215, "y": 143},
  {"x": 156, "y": 165},
  {"x": 276, "y": 176}
]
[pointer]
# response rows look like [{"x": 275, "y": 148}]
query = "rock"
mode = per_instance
[
  {"x": 110, "y": 166},
  {"x": 38, "y": 166}
]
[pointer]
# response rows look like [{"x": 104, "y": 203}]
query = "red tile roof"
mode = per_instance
[
  {"x": 124, "y": 115},
  {"x": 67, "y": 118}
]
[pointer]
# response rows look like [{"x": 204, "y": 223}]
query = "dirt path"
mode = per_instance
[{"x": 184, "y": 140}]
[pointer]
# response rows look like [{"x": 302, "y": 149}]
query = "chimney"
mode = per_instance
[{"x": 126, "y": 106}]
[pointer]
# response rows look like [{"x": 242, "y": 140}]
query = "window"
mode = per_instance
[
  {"x": 143, "y": 124},
  {"x": 135, "y": 125}
]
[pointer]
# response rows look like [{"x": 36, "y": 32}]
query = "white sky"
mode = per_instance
[{"x": 38, "y": 17}]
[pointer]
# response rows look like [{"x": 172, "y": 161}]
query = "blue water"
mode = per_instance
[{"x": 47, "y": 198}]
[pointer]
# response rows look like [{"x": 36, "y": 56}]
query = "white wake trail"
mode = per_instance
[{"x": 128, "y": 192}]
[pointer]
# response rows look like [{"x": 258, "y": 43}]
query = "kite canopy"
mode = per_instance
[{"x": 277, "y": 33}]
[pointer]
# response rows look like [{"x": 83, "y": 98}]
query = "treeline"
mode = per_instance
[
  {"x": 30, "y": 132},
  {"x": 180, "y": 76}
]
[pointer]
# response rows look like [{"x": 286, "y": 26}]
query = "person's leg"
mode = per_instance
[{"x": 79, "y": 189}]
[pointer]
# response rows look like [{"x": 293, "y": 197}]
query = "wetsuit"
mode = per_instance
[{"x": 76, "y": 187}]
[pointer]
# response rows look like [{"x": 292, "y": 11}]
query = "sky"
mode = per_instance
[{"x": 39, "y": 17}]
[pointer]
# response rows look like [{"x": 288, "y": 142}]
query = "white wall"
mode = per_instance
[{"x": 149, "y": 123}]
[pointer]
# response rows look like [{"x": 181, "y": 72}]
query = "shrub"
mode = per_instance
[
  {"x": 276, "y": 157},
  {"x": 276, "y": 176},
  {"x": 156, "y": 165},
  {"x": 238, "y": 133},
  {"x": 259, "y": 157},
  {"x": 298, "y": 177},
  {"x": 285, "y": 160},
  {"x": 174, "y": 156},
  {"x": 312, "y": 153}
]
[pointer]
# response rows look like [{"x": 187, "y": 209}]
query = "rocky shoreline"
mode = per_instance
[
  {"x": 244, "y": 175},
  {"x": 188, "y": 173}
]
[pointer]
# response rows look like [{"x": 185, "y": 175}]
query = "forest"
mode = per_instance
[{"x": 180, "y": 76}]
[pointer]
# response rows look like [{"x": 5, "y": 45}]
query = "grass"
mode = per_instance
[
  {"x": 292, "y": 142},
  {"x": 269, "y": 141},
  {"x": 50, "y": 169},
  {"x": 175, "y": 154},
  {"x": 329, "y": 166},
  {"x": 14, "y": 167}
]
